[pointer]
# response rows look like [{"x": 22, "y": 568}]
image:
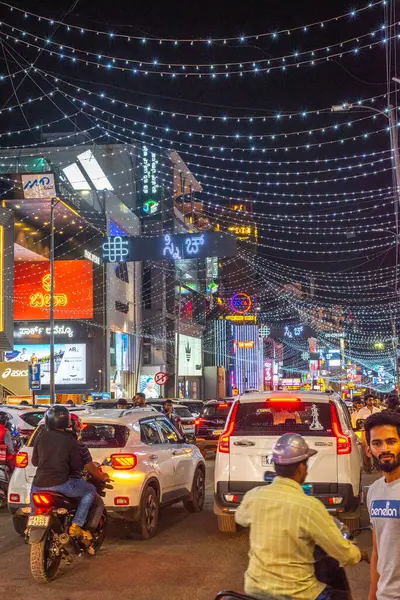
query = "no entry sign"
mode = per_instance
[{"x": 161, "y": 378}]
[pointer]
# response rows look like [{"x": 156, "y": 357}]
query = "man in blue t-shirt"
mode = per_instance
[{"x": 382, "y": 432}]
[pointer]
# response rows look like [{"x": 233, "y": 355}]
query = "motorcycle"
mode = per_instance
[
  {"x": 47, "y": 531},
  {"x": 327, "y": 570}
]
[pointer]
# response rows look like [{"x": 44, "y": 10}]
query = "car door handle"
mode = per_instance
[
  {"x": 244, "y": 443},
  {"x": 153, "y": 457}
]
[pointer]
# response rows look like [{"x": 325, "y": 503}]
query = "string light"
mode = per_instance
[{"x": 352, "y": 14}]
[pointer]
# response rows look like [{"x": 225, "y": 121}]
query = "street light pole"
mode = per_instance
[
  {"x": 390, "y": 114},
  {"x": 52, "y": 366}
]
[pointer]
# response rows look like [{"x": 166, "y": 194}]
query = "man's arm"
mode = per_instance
[
  {"x": 242, "y": 514},
  {"x": 374, "y": 575},
  {"x": 95, "y": 473},
  {"x": 327, "y": 535},
  {"x": 8, "y": 442}
]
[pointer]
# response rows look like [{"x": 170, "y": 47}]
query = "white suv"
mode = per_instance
[
  {"x": 147, "y": 459},
  {"x": 254, "y": 424}
]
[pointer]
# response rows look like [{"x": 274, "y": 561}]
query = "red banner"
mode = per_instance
[{"x": 73, "y": 290}]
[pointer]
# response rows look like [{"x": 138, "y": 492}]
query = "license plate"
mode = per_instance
[
  {"x": 39, "y": 521},
  {"x": 187, "y": 427},
  {"x": 266, "y": 461},
  {"x": 217, "y": 431}
]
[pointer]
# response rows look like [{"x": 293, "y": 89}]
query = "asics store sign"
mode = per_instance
[
  {"x": 15, "y": 373},
  {"x": 38, "y": 185}
]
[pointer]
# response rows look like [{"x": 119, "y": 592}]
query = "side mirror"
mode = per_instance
[{"x": 360, "y": 425}]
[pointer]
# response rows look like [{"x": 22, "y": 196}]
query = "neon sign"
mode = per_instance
[
  {"x": 115, "y": 249},
  {"x": 241, "y": 303},
  {"x": 150, "y": 187},
  {"x": 40, "y": 300},
  {"x": 170, "y": 248}
]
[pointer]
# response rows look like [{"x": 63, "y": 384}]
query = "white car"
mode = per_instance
[
  {"x": 255, "y": 423},
  {"x": 147, "y": 459},
  {"x": 24, "y": 418}
]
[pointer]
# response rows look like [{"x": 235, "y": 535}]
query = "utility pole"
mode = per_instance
[
  {"x": 52, "y": 365},
  {"x": 177, "y": 337}
]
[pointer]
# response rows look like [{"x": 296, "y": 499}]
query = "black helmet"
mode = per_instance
[
  {"x": 57, "y": 417},
  {"x": 4, "y": 418}
]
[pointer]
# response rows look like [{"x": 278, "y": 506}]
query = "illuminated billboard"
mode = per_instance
[
  {"x": 69, "y": 361},
  {"x": 6, "y": 279},
  {"x": 73, "y": 290}
]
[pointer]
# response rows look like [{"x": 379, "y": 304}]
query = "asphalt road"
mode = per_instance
[{"x": 187, "y": 560}]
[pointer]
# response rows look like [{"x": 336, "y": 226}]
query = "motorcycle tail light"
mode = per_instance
[
  {"x": 21, "y": 460},
  {"x": 41, "y": 500},
  {"x": 123, "y": 462},
  {"x": 14, "y": 498}
]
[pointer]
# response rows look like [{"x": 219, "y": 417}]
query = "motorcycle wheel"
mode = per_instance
[
  {"x": 100, "y": 533},
  {"x": 44, "y": 563},
  {"x": 3, "y": 495}
]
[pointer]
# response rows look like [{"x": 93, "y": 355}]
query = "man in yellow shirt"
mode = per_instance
[{"x": 285, "y": 525}]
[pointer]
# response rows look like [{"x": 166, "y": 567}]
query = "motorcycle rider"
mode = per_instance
[
  {"x": 6, "y": 440},
  {"x": 285, "y": 526},
  {"x": 95, "y": 473},
  {"x": 57, "y": 456}
]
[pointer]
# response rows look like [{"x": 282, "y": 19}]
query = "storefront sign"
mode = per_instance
[
  {"x": 245, "y": 345},
  {"x": 190, "y": 356},
  {"x": 170, "y": 246},
  {"x": 238, "y": 318},
  {"x": 38, "y": 185},
  {"x": 14, "y": 377},
  {"x": 93, "y": 257},
  {"x": 268, "y": 375},
  {"x": 70, "y": 362},
  {"x": 241, "y": 303},
  {"x": 73, "y": 297},
  {"x": 41, "y": 330}
]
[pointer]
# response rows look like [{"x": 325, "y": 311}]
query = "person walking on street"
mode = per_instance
[
  {"x": 139, "y": 400},
  {"x": 383, "y": 437},
  {"x": 285, "y": 526},
  {"x": 365, "y": 412}
]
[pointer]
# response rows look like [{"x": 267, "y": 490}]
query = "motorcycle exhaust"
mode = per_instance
[{"x": 67, "y": 543}]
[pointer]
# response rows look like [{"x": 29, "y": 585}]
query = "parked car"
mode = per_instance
[
  {"x": 256, "y": 422},
  {"x": 211, "y": 423},
  {"x": 149, "y": 462}
]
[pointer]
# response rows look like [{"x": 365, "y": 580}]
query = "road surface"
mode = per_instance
[{"x": 187, "y": 560}]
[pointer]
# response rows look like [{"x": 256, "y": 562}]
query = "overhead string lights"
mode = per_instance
[
  {"x": 211, "y": 71},
  {"x": 240, "y": 39}
]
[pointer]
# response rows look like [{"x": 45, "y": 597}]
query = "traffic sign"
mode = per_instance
[
  {"x": 34, "y": 377},
  {"x": 161, "y": 378}
]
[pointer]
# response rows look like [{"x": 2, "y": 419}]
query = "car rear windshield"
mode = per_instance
[
  {"x": 306, "y": 418},
  {"x": 182, "y": 411},
  {"x": 216, "y": 410},
  {"x": 32, "y": 418},
  {"x": 103, "y": 435},
  {"x": 97, "y": 435}
]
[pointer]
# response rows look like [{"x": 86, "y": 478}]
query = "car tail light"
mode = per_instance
[
  {"x": 121, "y": 501},
  {"x": 123, "y": 462},
  {"x": 223, "y": 444},
  {"x": 41, "y": 500},
  {"x": 284, "y": 400},
  {"x": 343, "y": 441},
  {"x": 21, "y": 460},
  {"x": 223, "y": 405},
  {"x": 26, "y": 432},
  {"x": 14, "y": 498}
]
